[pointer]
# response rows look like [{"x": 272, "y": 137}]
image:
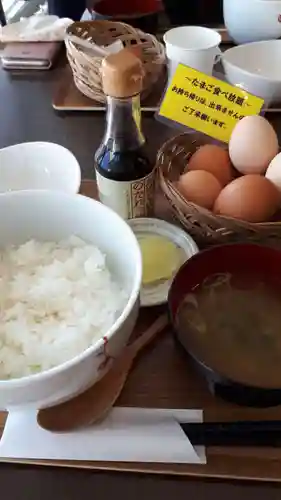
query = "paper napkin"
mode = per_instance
[
  {"x": 125, "y": 435},
  {"x": 37, "y": 28}
]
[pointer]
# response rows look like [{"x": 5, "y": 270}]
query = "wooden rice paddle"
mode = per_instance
[{"x": 93, "y": 404}]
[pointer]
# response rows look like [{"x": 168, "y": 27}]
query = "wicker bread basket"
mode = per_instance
[
  {"x": 86, "y": 68},
  {"x": 206, "y": 227}
]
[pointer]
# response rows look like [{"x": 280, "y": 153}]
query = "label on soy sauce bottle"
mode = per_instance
[{"x": 130, "y": 199}]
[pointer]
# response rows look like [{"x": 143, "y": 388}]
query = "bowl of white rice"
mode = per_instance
[{"x": 70, "y": 278}]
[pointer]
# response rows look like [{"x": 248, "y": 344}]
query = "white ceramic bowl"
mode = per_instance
[
  {"x": 252, "y": 20},
  {"x": 256, "y": 68},
  {"x": 50, "y": 215},
  {"x": 39, "y": 165}
]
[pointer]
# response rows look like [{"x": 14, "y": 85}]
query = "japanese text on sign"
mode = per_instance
[{"x": 206, "y": 104}]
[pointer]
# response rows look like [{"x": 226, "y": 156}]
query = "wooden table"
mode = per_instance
[{"x": 26, "y": 115}]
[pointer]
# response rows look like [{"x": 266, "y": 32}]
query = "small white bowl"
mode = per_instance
[
  {"x": 255, "y": 67},
  {"x": 153, "y": 295},
  {"x": 39, "y": 165},
  {"x": 252, "y": 20}
]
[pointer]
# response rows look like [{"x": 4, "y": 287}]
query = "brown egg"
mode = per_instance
[
  {"x": 199, "y": 187},
  {"x": 251, "y": 198},
  {"x": 213, "y": 159}
]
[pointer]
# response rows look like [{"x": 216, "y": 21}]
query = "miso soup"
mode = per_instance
[{"x": 233, "y": 325}]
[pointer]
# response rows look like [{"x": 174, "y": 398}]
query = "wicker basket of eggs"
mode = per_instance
[{"x": 222, "y": 194}]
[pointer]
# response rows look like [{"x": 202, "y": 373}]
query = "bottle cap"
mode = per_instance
[{"x": 122, "y": 74}]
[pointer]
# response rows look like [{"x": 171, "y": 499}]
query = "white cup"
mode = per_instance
[
  {"x": 192, "y": 46},
  {"x": 252, "y": 20}
]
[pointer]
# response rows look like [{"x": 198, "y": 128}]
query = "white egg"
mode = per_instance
[
  {"x": 253, "y": 144},
  {"x": 273, "y": 172}
]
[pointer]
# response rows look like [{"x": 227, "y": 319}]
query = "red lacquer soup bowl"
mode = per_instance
[{"x": 238, "y": 259}]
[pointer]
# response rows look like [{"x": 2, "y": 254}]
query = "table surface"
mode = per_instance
[{"x": 26, "y": 115}]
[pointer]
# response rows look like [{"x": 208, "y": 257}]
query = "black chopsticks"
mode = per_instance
[{"x": 240, "y": 433}]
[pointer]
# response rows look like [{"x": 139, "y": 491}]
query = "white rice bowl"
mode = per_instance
[
  {"x": 56, "y": 300},
  {"x": 35, "y": 372}
]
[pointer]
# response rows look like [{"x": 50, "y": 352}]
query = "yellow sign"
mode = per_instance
[{"x": 206, "y": 104}]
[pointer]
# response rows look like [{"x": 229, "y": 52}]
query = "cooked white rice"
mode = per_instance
[{"x": 56, "y": 300}]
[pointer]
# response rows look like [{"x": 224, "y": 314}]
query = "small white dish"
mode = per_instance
[
  {"x": 153, "y": 295},
  {"x": 39, "y": 165}
]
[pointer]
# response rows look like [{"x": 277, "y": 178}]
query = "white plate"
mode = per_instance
[{"x": 158, "y": 294}]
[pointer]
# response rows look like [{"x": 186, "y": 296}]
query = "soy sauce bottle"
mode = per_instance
[{"x": 125, "y": 176}]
